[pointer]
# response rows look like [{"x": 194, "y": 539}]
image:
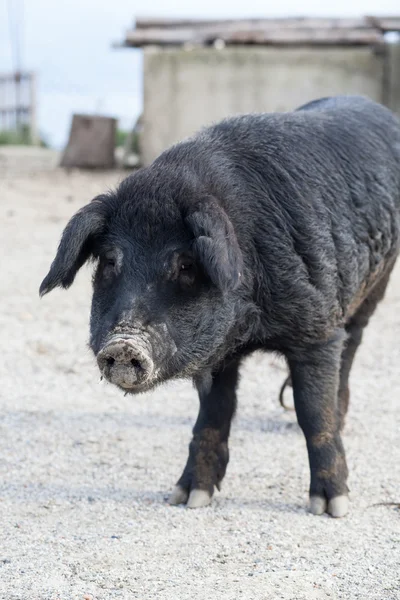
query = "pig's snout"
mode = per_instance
[{"x": 125, "y": 363}]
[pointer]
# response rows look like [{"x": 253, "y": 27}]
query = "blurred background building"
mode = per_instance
[
  {"x": 162, "y": 78},
  {"x": 197, "y": 72}
]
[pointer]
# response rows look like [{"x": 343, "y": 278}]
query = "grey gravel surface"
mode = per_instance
[{"x": 84, "y": 471}]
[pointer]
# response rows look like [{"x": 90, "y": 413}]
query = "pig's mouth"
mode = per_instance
[{"x": 126, "y": 361}]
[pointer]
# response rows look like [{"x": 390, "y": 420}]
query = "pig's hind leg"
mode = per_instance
[
  {"x": 354, "y": 330},
  {"x": 315, "y": 377},
  {"x": 208, "y": 450}
]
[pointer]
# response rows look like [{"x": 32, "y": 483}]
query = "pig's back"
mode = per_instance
[{"x": 323, "y": 186}]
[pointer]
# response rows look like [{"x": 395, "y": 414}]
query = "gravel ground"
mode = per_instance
[{"x": 84, "y": 471}]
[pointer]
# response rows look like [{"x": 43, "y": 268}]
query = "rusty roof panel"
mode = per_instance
[{"x": 290, "y": 31}]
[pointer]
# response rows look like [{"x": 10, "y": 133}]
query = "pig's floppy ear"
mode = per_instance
[
  {"x": 216, "y": 245},
  {"x": 75, "y": 246}
]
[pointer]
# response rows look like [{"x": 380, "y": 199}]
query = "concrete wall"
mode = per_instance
[{"x": 186, "y": 89}]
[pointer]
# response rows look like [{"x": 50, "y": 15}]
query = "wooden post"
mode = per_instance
[{"x": 91, "y": 143}]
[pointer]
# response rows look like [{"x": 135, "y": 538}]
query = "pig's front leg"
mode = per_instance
[
  {"x": 208, "y": 450},
  {"x": 315, "y": 379}
]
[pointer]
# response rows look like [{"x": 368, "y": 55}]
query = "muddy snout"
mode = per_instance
[{"x": 126, "y": 363}]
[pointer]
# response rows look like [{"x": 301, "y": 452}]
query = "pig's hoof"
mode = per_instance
[
  {"x": 339, "y": 506},
  {"x": 178, "y": 496},
  {"x": 336, "y": 507},
  {"x": 318, "y": 505},
  {"x": 198, "y": 499}
]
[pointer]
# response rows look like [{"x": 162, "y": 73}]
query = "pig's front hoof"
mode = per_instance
[
  {"x": 318, "y": 505},
  {"x": 204, "y": 470},
  {"x": 337, "y": 507},
  {"x": 198, "y": 499},
  {"x": 178, "y": 496}
]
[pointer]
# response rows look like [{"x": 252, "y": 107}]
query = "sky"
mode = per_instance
[{"x": 69, "y": 45}]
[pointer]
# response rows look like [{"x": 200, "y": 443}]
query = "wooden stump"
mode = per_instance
[{"x": 91, "y": 143}]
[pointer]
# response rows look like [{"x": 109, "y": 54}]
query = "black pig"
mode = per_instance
[{"x": 273, "y": 231}]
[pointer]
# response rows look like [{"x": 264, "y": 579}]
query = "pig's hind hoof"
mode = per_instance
[
  {"x": 196, "y": 498},
  {"x": 337, "y": 507}
]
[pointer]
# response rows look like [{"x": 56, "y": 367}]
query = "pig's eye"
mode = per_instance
[
  {"x": 187, "y": 270},
  {"x": 109, "y": 264},
  {"x": 186, "y": 267}
]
